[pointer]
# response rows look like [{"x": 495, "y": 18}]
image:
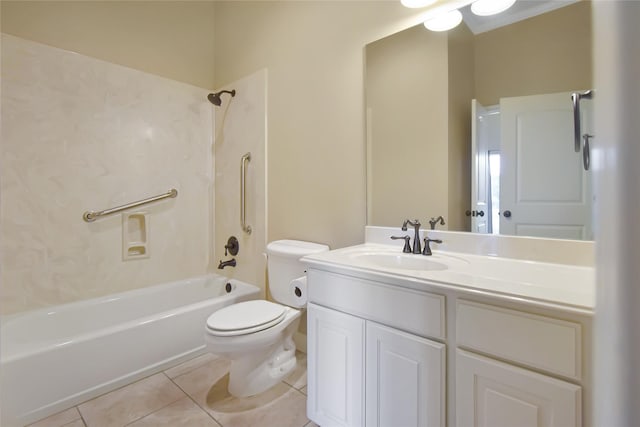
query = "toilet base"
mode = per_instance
[{"x": 258, "y": 372}]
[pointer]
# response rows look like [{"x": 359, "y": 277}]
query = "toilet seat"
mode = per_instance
[{"x": 245, "y": 318}]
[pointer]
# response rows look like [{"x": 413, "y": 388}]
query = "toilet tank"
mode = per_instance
[{"x": 283, "y": 264}]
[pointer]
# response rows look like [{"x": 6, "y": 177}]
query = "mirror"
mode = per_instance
[{"x": 420, "y": 87}]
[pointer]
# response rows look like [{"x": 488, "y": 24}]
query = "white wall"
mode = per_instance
[
  {"x": 83, "y": 134},
  {"x": 616, "y": 151}
]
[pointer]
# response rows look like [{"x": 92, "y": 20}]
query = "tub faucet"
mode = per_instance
[
  {"x": 416, "y": 239},
  {"x": 229, "y": 263}
]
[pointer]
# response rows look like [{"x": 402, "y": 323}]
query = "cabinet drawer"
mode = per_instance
[
  {"x": 541, "y": 342},
  {"x": 418, "y": 312}
]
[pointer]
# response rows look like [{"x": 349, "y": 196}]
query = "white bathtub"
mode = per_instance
[{"x": 57, "y": 357}]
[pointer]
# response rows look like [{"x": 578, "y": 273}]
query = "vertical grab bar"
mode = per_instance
[{"x": 243, "y": 203}]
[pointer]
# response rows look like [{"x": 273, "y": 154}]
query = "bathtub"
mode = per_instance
[{"x": 57, "y": 357}]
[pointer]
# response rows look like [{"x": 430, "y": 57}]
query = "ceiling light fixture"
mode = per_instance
[
  {"x": 414, "y": 4},
  {"x": 490, "y": 7},
  {"x": 445, "y": 21}
]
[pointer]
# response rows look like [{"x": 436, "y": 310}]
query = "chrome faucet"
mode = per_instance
[
  {"x": 434, "y": 221},
  {"x": 416, "y": 239},
  {"x": 229, "y": 263}
]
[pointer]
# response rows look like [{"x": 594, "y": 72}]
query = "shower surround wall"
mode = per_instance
[
  {"x": 240, "y": 127},
  {"x": 83, "y": 134}
]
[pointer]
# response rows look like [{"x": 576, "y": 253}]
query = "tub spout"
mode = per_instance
[{"x": 229, "y": 263}]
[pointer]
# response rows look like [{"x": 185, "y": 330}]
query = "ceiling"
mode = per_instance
[{"x": 521, "y": 10}]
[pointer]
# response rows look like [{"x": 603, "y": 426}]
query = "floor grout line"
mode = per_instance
[
  {"x": 184, "y": 394},
  {"x": 159, "y": 409},
  {"x": 194, "y": 401}
]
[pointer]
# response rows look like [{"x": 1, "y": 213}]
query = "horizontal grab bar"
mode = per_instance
[{"x": 91, "y": 216}]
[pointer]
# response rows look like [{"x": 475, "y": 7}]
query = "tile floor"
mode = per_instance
[{"x": 192, "y": 394}]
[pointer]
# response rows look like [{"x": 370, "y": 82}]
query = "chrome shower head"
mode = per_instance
[{"x": 215, "y": 99}]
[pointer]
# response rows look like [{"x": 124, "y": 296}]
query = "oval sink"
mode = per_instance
[{"x": 400, "y": 261}]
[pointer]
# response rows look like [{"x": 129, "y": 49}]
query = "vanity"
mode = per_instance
[{"x": 452, "y": 339}]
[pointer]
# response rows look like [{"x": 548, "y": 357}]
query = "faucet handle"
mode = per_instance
[
  {"x": 232, "y": 246},
  {"x": 427, "y": 249},
  {"x": 407, "y": 247}
]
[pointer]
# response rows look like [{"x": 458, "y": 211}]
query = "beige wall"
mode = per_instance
[
  {"x": 83, "y": 134},
  {"x": 545, "y": 54},
  {"x": 172, "y": 39},
  {"x": 461, "y": 90},
  {"x": 314, "y": 55},
  {"x": 313, "y": 52},
  {"x": 418, "y": 87},
  {"x": 407, "y": 112}
]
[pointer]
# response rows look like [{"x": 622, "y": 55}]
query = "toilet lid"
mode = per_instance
[{"x": 245, "y": 317}]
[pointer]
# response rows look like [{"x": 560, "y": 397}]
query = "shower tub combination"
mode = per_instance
[{"x": 57, "y": 357}]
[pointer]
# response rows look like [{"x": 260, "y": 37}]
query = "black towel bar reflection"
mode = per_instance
[
  {"x": 90, "y": 216},
  {"x": 576, "y": 97}
]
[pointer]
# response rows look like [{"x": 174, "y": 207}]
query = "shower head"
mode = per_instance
[{"x": 214, "y": 98}]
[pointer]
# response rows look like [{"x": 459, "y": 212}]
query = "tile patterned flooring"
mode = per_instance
[{"x": 192, "y": 394}]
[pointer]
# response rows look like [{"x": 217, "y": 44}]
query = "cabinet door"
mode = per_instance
[
  {"x": 494, "y": 394},
  {"x": 405, "y": 384},
  {"x": 335, "y": 354}
]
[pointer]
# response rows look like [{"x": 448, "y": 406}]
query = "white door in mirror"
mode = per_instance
[{"x": 544, "y": 186}]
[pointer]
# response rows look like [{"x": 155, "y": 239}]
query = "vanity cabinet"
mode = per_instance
[
  {"x": 386, "y": 351},
  {"x": 335, "y": 372},
  {"x": 492, "y": 392},
  {"x": 364, "y": 372},
  {"x": 405, "y": 379}
]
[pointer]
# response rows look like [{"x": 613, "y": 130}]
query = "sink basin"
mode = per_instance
[{"x": 399, "y": 261}]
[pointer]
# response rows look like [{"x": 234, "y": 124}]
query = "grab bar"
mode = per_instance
[
  {"x": 243, "y": 208},
  {"x": 91, "y": 216},
  {"x": 575, "y": 99}
]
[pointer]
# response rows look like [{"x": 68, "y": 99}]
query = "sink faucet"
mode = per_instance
[
  {"x": 229, "y": 263},
  {"x": 434, "y": 221},
  {"x": 407, "y": 247},
  {"x": 416, "y": 239},
  {"x": 427, "y": 249}
]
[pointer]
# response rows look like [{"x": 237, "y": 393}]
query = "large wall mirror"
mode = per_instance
[{"x": 476, "y": 124}]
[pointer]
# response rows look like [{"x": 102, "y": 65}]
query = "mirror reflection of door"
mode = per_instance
[
  {"x": 485, "y": 146},
  {"x": 544, "y": 191},
  {"x": 546, "y": 187}
]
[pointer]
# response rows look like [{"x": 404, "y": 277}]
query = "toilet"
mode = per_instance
[{"x": 257, "y": 335}]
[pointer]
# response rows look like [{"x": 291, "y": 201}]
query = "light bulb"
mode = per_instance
[
  {"x": 490, "y": 7},
  {"x": 444, "y": 22},
  {"x": 414, "y": 4}
]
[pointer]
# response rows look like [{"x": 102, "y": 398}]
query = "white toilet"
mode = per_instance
[{"x": 257, "y": 336}]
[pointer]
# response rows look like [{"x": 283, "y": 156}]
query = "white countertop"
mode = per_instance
[{"x": 539, "y": 282}]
